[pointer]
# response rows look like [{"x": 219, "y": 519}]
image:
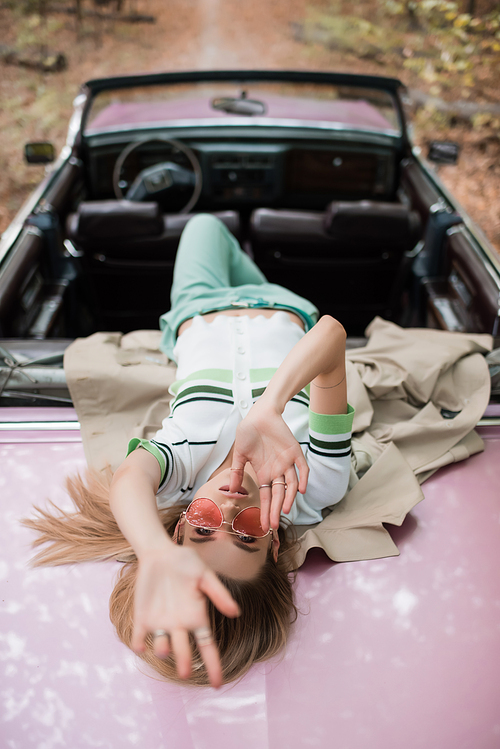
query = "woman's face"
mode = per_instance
[{"x": 237, "y": 557}]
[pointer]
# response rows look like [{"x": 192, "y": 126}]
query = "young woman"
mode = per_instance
[{"x": 208, "y": 591}]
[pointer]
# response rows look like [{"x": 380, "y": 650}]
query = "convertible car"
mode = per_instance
[{"x": 316, "y": 175}]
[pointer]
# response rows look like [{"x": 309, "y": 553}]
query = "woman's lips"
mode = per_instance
[{"x": 242, "y": 492}]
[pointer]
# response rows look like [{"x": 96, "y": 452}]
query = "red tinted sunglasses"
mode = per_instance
[{"x": 204, "y": 513}]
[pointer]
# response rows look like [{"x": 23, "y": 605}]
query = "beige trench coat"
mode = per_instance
[{"x": 401, "y": 383}]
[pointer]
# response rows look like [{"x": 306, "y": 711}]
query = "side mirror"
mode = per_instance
[
  {"x": 443, "y": 152},
  {"x": 39, "y": 153}
]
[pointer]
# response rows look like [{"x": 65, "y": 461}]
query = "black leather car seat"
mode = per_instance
[
  {"x": 127, "y": 253},
  {"x": 349, "y": 259},
  {"x": 126, "y": 230}
]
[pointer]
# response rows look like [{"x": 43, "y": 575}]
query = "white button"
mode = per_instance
[
  {"x": 241, "y": 350},
  {"x": 241, "y": 376},
  {"x": 243, "y": 404}
]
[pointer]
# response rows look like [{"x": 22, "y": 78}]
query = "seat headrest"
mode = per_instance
[
  {"x": 371, "y": 219},
  {"x": 115, "y": 218}
]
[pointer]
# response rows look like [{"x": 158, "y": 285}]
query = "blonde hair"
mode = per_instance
[{"x": 91, "y": 533}]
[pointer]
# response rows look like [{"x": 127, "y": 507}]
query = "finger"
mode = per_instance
[
  {"x": 182, "y": 652},
  {"x": 291, "y": 490},
  {"x": 211, "y": 659},
  {"x": 277, "y": 501},
  {"x": 137, "y": 642},
  {"x": 265, "y": 505},
  {"x": 303, "y": 469},
  {"x": 221, "y": 598},
  {"x": 237, "y": 468},
  {"x": 161, "y": 645}
]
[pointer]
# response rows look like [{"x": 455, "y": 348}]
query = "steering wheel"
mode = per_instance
[{"x": 155, "y": 182}]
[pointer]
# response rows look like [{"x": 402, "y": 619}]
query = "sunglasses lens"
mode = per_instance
[
  {"x": 247, "y": 522},
  {"x": 204, "y": 513}
]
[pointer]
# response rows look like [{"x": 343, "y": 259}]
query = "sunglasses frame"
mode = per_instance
[{"x": 223, "y": 522}]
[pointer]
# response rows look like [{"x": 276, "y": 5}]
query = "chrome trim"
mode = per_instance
[
  {"x": 239, "y": 122},
  {"x": 45, "y": 378},
  {"x": 75, "y": 122},
  {"x": 39, "y": 426},
  {"x": 75, "y": 162},
  {"x": 74, "y": 426},
  {"x": 34, "y": 395},
  {"x": 489, "y": 421},
  {"x": 71, "y": 249}
]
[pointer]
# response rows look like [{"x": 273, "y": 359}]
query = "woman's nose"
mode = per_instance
[{"x": 228, "y": 505}]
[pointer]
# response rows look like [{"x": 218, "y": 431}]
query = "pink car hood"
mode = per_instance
[{"x": 387, "y": 653}]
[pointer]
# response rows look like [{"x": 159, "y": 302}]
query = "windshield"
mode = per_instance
[{"x": 284, "y": 103}]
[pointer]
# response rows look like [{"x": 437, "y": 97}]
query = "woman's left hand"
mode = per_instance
[{"x": 265, "y": 441}]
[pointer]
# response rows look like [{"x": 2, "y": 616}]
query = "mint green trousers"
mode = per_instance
[{"x": 213, "y": 273}]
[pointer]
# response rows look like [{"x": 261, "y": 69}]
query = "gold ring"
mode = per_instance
[{"x": 280, "y": 482}]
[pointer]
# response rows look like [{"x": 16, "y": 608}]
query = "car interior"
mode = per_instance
[{"x": 348, "y": 220}]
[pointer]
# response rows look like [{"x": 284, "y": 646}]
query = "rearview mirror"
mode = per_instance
[
  {"x": 241, "y": 105},
  {"x": 39, "y": 153}
]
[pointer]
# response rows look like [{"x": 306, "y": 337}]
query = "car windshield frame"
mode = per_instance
[{"x": 390, "y": 86}]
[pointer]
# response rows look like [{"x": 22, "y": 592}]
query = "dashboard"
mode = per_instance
[{"x": 252, "y": 173}]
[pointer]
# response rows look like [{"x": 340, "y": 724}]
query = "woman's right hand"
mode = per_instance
[
  {"x": 171, "y": 593},
  {"x": 265, "y": 441}
]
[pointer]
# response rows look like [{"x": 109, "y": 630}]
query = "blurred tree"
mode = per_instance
[
  {"x": 411, "y": 9},
  {"x": 473, "y": 7},
  {"x": 78, "y": 5}
]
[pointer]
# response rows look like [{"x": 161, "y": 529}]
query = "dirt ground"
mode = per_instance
[{"x": 214, "y": 34}]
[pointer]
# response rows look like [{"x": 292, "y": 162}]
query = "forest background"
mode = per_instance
[{"x": 447, "y": 54}]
